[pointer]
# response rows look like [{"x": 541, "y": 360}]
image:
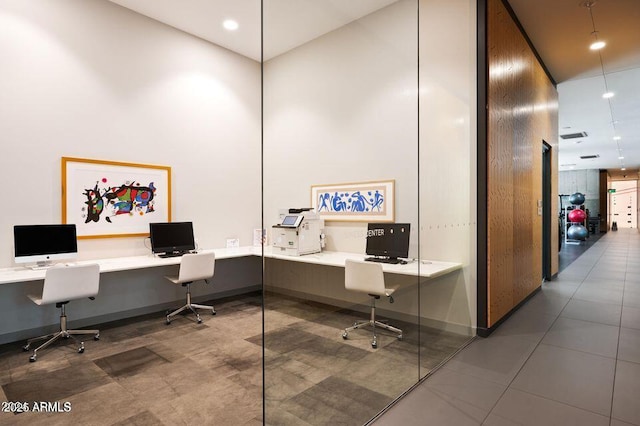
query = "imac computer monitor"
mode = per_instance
[
  {"x": 388, "y": 242},
  {"x": 172, "y": 238},
  {"x": 44, "y": 244}
]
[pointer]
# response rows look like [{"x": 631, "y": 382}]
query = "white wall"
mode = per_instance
[
  {"x": 448, "y": 155},
  {"x": 586, "y": 181},
  {"x": 87, "y": 78},
  {"x": 93, "y": 80},
  {"x": 342, "y": 108},
  {"x": 624, "y": 203}
]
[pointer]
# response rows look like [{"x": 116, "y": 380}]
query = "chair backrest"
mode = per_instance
[
  {"x": 70, "y": 282},
  {"x": 196, "y": 266},
  {"x": 366, "y": 277}
]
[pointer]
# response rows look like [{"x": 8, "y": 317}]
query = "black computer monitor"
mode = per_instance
[
  {"x": 172, "y": 238},
  {"x": 43, "y": 244},
  {"x": 388, "y": 240}
]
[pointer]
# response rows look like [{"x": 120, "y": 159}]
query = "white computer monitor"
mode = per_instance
[{"x": 44, "y": 244}]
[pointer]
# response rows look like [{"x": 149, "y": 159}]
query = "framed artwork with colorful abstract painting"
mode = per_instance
[
  {"x": 114, "y": 199},
  {"x": 360, "y": 201}
]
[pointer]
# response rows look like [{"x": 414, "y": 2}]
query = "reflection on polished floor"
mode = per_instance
[
  {"x": 569, "y": 356},
  {"x": 314, "y": 377},
  {"x": 144, "y": 372}
]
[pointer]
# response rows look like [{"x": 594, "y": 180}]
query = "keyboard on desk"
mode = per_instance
[
  {"x": 172, "y": 254},
  {"x": 392, "y": 260}
]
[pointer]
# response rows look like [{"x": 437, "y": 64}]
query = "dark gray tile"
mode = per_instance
[
  {"x": 424, "y": 406},
  {"x": 603, "y": 313},
  {"x": 496, "y": 358},
  {"x": 130, "y": 363},
  {"x": 526, "y": 325},
  {"x": 56, "y": 385},
  {"x": 629, "y": 345},
  {"x": 143, "y": 419},
  {"x": 574, "y": 378},
  {"x": 336, "y": 401},
  {"x": 284, "y": 340},
  {"x": 625, "y": 394},
  {"x": 545, "y": 304},
  {"x": 630, "y": 317},
  {"x": 595, "y": 294},
  {"x": 464, "y": 391},
  {"x": 585, "y": 336},
  {"x": 526, "y": 409}
]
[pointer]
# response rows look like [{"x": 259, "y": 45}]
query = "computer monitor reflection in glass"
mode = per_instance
[
  {"x": 388, "y": 242},
  {"x": 42, "y": 245},
  {"x": 171, "y": 239}
]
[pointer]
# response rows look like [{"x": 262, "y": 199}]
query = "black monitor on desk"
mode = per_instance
[
  {"x": 172, "y": 238},
  {"x": 388, "y": 242}
]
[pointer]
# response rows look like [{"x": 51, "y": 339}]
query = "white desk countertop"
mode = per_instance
[{"x": 428, "y": 269}]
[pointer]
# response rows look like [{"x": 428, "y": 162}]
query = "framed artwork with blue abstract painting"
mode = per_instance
[
  {"x": 114, "y": 199},
  {"x": 358, "y": 202}
]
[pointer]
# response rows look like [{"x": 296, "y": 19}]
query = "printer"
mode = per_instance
[{"x": 297, "y": 233}]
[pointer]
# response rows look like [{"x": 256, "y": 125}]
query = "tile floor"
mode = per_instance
[{"x": 570, "y": 356}]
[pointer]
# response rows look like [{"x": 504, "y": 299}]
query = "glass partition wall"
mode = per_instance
[
  {"x": 341, "y": 128},
  {"x": 363, "y": 101}
]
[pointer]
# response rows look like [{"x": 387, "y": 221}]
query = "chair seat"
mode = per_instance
[
  {"x": 387, "y": 292},
  {"x": 36, "y": 299},
  {"x": 173, "y": 279}
]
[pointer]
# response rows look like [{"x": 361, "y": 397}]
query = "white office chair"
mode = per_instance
[
  {"x": 193, "y": 266},
  {"x": 62, "y": 284},
  {"x": 367, "y": 277}
]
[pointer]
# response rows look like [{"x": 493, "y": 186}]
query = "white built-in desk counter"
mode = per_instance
[
  {"x": 427, "y": 269},
  {"x": 143, "y": 290}
]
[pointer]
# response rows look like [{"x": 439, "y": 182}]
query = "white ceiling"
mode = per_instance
[
  {"x": 288, "y": 23},
  {"x": 559, "y": 29},
  {"x": 561, "y": 32}
]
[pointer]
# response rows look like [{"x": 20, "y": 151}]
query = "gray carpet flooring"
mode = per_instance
[{"x": 143, "y": 372}]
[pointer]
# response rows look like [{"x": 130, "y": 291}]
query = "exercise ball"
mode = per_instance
[
  {"x": 577, "y": 232},
  {"x": 577, "y": 215},
  {"x": 577, "y": 198}
]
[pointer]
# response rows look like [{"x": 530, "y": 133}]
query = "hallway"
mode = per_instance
[{"x": 569, "y": 356}]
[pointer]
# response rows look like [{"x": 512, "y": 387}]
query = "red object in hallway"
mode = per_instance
[{"x": 577, "y": 216}]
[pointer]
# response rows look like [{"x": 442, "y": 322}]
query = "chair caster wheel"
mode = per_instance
[
  {"x": 374, "y": 345},
  {"x": 96, "y": 337},
  {"x": 213, "y": 312},
  {"x": 400, "y": 337},
  {"x": 81, "y": 350},
  {"x": 345, "y": 335},
  {"x": 199, "y": 321},
  {"x": 25, "y": 348},
  {"x": 167, "y": 322},
  {"x": 32, "y": 358}
]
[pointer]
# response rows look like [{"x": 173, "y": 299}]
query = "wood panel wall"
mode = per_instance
[{"x": 522, "y": 113}]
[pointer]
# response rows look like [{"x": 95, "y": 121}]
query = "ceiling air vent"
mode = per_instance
[
  {"x": 574, "y": 135},
  {"x": 588, "y": 157}
]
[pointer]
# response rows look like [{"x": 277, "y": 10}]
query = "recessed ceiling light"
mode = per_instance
[
  {"x": 597, "y": 45},
  {"x": 230, "y": 25},
  {"x": 616, "y": 138},
  {"x": 608, "y": 95},
  {"x": 620, "y": 158}
]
